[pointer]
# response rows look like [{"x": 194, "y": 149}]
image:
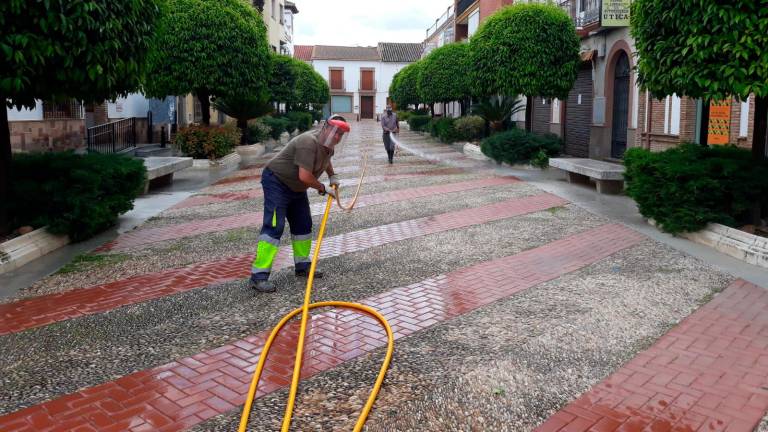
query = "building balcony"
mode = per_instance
[
  {"x": 585, "y": 13},
  {"x": 338, "y": 86},
  {"x": 463, "y": 5},
  {"x": 370, "y": 87}
]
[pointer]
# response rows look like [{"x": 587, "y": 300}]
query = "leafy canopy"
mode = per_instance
[
  {"x": 90, "y": 50},
  {"x": 404, "y": 88},
  {"x": 701, "y": 49},
  {"x": 444, "y": 76},
  {"x": 215, "y": 46},
  {"x": 529, "y": 49}
]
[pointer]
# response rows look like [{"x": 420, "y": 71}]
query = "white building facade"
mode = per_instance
[{"x": 359, "y": 77}]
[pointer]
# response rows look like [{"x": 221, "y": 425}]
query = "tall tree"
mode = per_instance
[
  {"x": 528, "y": 49},
  {"x": 444, "y": 76},
  {"x": 404, "y": 87},
  {"x": 212, "y": 48},
  {"x": 283, "y": 79},
  {"x": 90, "y": 50},
  {"x": 709, "y": 50},
  {"x": 311, "y": 87}
]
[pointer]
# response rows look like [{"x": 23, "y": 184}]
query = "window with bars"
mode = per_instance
[{"x": 71, "y": 109}]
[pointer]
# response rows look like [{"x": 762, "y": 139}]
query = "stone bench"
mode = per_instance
[
  {"x": 160, "y": 169},
  {"x": 609, "y": 177}
]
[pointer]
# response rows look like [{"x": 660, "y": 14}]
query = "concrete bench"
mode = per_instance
[
  {"x": 609, "y": 177},
  {"x": 160, "y": 169}
]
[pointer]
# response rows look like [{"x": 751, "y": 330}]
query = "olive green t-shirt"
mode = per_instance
[{"x": 303, "y": 151}]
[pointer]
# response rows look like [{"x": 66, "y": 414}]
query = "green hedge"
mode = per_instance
[
  {"x": 302, "y": 119},
  {"x": 404, "y": 115},
  {"x": 78, "y": 195},
  {"x": 278, "y": 125},
  {"x": 519, "y": 146},
  {"x": 258, "y": 131},
  {"x": 470, "y": 128},
  {"x": 418, "y": 122},
  {"x": 688, "y": 186},
  {"x": 207, "y": 142},
  {"x": 443, "y": 128}
]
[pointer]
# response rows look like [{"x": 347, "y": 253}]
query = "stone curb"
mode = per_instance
[{"x": 23, "y": 249}]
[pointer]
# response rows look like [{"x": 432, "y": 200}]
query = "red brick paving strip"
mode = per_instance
[
  {"x": 152, "y": 235},
  {"x": 48, "y": 309},
  {"x": 199, "y": 200},
  {"x": 190, "y": 390},
  {"x": 710, "y": 373}
]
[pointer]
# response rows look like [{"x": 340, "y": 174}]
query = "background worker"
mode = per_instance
[
  {"x": 285, "y": 181},
  {"x": 390, "y": 125}
]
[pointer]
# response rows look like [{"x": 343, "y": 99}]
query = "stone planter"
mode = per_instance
[
  {"x": 284, "y": 138},
  {"x": 19, "y": 251},
  {"x": 736, "y": 243},
  {"x": 249, "y": 153},
  {"x": 473, "y": 151},
  {"x": 228, "y": 160}
]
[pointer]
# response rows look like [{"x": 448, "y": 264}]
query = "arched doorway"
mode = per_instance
[{"x": 620, "y": 105}]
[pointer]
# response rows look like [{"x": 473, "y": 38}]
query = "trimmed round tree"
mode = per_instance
[
  {"x": 404, "y": 87},
  {"x": 212, "y": 48},
  {"x": 311, "y": 87},
  {"x": 528, "y": 49},
  {"x": 444, "y": 76},
  {"x": 283, "y": 79},
  {"x": 708, "y": 50},
  {"x": 89, "y": 50}
]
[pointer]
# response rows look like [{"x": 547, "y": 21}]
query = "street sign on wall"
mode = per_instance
[
  {"x": 719, "y": 131},
  {"x": 615, "y": 13}
]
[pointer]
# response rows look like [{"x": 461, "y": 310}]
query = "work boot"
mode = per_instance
[
  {"x": 264, "y": 286},
  {"x": 305, "y": 274}
]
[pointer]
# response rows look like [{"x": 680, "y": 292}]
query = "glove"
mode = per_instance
[
  {"x": 328, "y": 190},
  {"x": 335, "y": 181}
]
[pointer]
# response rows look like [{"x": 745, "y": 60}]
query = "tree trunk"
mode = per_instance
[
  {"x": 5, "y": 168},
  {"x": 760, "y": 128},
  {"x": 242, "y": 124},
  {"x": 759, "y": 137},
  {"x": 528, "y": 113},
  {"x": 205, "y": 106},
  {"x": 432, "y": 110},
  {"x": 704, "y": 129}
]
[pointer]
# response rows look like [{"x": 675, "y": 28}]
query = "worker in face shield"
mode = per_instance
[{"x": 285, "y": 181}]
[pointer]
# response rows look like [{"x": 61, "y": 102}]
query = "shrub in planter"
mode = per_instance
[
  {"x": 302, "y": 119},
  {"x": 686, "y": 187},
  {"x": 470, "y": 128},
  {"x": 277, "y": 125},
  {"x": 419, "y": 122},
  {"x": 207, "y": 142},
  {"x": 443, "y": 128},
  {"x": 258, "y": 131},
  {"x": 519, "y": 146},
  {"x": 77, "y": 195},
  {"x": 404, "y": 115}
]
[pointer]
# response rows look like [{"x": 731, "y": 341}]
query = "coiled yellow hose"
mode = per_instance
[{"x": 304, "y": 310}]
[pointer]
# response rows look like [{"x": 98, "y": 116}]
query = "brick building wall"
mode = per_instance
[
  {"x": 47, "y": 135},
  {"x": 660, "y": 141}
]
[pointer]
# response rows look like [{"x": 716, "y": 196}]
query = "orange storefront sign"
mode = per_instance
[{"x": 719, "y": 130}]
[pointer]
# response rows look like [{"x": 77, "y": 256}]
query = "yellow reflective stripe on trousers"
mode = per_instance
[
  {"x": 265, "y": 255},
  {"x": 301, "y": 250},
  {"x": 274, "y": 218}
]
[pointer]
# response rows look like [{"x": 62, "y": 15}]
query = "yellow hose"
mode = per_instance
[{"x": 302, "y": 333}]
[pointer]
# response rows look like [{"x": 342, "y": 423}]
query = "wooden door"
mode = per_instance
[
  {"x": 366, "y": 80},
  {"x": 337, "y": 79},
  {"x": 366, "y": 107}
]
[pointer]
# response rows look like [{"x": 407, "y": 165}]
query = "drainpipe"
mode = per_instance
[{"x": 648, "y": 121}]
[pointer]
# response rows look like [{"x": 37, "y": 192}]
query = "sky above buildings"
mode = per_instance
[{"x": 364, "y": 22}]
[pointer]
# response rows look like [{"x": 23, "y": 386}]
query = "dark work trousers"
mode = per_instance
[
  {"x": 389, "y": 146},
  {"x": 281, "y": 203}
]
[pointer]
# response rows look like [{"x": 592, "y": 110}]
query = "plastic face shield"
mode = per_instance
[{"x": 334, "y": 133}]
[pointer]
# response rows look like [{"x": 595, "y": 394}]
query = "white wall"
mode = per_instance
[
  {"x": 134, "y": 105},
  {"x": 384, "y": 72},
  {"x": 25, "y": 114}
]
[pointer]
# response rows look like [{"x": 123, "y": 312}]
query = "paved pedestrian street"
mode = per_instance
[{"x": 513, "y": 309}]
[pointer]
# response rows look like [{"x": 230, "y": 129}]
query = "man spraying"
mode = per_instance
[
  {"x": 285, "y": 181},
  {"x": 390, "y": 125}
]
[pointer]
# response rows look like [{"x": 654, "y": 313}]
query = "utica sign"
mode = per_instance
[{"x": 615, "y": 13}]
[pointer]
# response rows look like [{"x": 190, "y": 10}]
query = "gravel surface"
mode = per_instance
[
  {"x": 89, "y": 350},
  {"x": 177, "y": 253},
  {"x": 510, "y": 365},
  {"x": 763, "y": 427},
  {"x": 190, "y": 214}
]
